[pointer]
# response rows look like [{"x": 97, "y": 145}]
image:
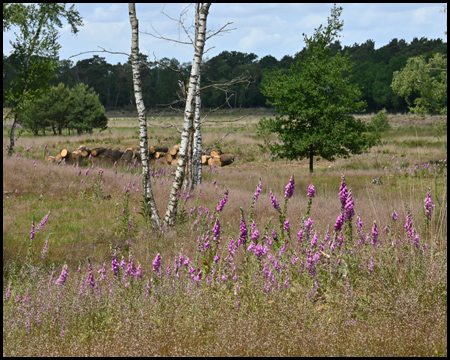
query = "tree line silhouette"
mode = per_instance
[{"x": 373, "y": 71}]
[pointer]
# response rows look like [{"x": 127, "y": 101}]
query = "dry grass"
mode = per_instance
[{"x": 398, "y": 309}]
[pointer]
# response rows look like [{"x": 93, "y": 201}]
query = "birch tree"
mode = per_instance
[
  {"x": 202, "y": 11},
  {"x": 149, "y": 200}
]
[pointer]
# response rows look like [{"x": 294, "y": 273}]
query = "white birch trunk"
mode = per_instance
[
  {"x": 197, "y": 146},
  {"x": 143, "y": 141},
  {"x": 202, "y": 13}
]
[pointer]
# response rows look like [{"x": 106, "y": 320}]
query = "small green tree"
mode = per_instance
[
  {"x": 380, "y": 122},
  {"x": 423, "y": 84},
  {"x": 86, "y": 111},
  {"x": 315, "y": 100}
]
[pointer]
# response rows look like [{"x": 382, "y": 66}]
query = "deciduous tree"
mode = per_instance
[{"x": 316, "y": 100}]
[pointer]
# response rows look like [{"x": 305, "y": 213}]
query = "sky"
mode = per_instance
[{"x": 263, "y": 29}]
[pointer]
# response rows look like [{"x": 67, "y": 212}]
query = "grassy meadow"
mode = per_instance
[{"x": 300, "y": 274}]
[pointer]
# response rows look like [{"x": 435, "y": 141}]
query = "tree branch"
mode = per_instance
[{"x": 102, "y": 51}]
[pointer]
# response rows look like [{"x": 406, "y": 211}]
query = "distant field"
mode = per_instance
[{"x": 305, "y": 288}]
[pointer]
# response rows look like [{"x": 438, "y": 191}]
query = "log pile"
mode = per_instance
[{"x": 105, "y": 156}]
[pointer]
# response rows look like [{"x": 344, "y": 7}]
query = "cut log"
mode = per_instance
[
  {"x": 174, "y": 162},
  {"x": 214, "y": 162},
  {"x": 205, "y": 159},
  {"x": 85, "y": 152},
  {"x": 82, "y": 147},
  {"x": 50, "y": 159},
  {"x": 163, "y": 149},
  {"x": 58, "y": 158},
  {"x": 127, "y": 155},
  {"x": 216, "y": 152},
  {"x": 169, "y": 157},
  {"x": 173, "y": 151},
  {"x": 64, "y": 153},
  {"x": 226, "y": 159},
  {"x": 159, "y": 155},
  {"x": 98, "y": 151},
  {"x": 151, "y": 150}
]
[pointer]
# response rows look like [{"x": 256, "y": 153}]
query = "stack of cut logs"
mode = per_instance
[{"x": 106, "y": 156}]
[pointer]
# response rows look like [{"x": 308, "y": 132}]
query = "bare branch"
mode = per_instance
[
  {"x": 220, "y": 31},
  {"x": 102, "y": 51}
]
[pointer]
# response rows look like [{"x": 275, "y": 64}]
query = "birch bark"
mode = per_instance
[
  {"x": 197, "y": 146},
  {"x": 202, "y": 12},
  {"x": 143, "y": 140}
]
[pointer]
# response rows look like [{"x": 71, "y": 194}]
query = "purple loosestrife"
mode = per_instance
[
  {"x": 63, "y": 277},
  {"x": 157, "y": 264},
  {"x": 274, "y": 201},
  {"x": 290, "y": 188},
  {"x": 223, "y": 201},
  {"x": 429, "y": 205}
]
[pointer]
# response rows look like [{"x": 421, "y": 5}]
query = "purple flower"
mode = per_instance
[
  {"x": 157, "y": 264},
  {"x": 44, "y": 220},
  {"x": 260, "y": 251},
  {"x": 8, "y": 293},
  {"x": 343, "y": 192},
  {"x": 409, "y": 227},
  {"x": 103, "y": 272},
  {"x": 44, "y": 250},
  {"x": 32, "y": 230},
  {"x": 274, "y": 201},
  {"x": 370, "y": 267},
  {"x": 223, "y": 201},
  {"x": 258, "y": 191},
  {"x": 255, "y": 235},
  {"x": 374, "y": 234},
  {"x": 63, "y": 277},
  {"x": 339, "y": 222},
  {"x": 286, "y": 225},
  {"x": 91, "y": 279},
  {"x": 243, "y": 232},
  {"x": 394, "y": 215},
  {"x": 300, "y": 236},
  {"x": 216, "y": 229},
  {"x": 429, "y": 205},
  {"x": 290, "y": 188},
  {"x": 349, "y": 205},
  {"x": 308, "y": 224},
  {"x": 217, "y": 259},
  {"x": 115, "y": 265},
  {"x": 311, "y": 191},
  {"x": 314, "y": 240},
  {"x": 282, "y": 250}
]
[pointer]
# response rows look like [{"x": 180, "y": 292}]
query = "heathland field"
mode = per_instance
[{"x": 313, "y": 265}]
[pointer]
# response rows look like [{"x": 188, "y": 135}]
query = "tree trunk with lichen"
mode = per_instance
[
  {"x": 143, "y": 140},
  {"x": 200, "y": 38}
]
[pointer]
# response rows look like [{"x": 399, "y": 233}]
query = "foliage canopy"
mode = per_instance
[{"x": 315, "y": 100}]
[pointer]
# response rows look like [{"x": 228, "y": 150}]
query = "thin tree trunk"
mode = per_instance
[
  {"x": 201, "y": 14},
  {"x": 311, "y": 158},
  {"x": 11, "y": 137},
  {"x": 143, "y": 140},
  {"x": 197, "y": 146}
]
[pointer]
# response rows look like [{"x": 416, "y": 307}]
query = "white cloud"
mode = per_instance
[{"x": 257, "y": 38}]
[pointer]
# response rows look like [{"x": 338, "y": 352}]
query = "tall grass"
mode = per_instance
[{"x": 312, "y": 278}]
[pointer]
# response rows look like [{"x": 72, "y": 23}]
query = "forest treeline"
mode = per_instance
[{"x": 373, "y": 71}]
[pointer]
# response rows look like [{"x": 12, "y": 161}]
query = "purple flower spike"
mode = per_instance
[
  {"x": 274, "y": 201},
  {"x": 429, "y": 205},
  {"x": 243, "y": 232},
  {"x": 64, "y": 274},
  {"x": 223, "y": 201},
  {"x": 286, "y": 225},
  {"x": 349, "y": 205},
  {"x": 343, "y": 192},
  {"x": 394, "y": 215},
  {"x": 374, "y": 234},
  {"x": 258, "y": 190},
  {"x": 290, "y": 188},
  {"x": 311, "y": 191},
  {"x": 157, "y": 263},
  {"x": 339, "y": 222}
]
